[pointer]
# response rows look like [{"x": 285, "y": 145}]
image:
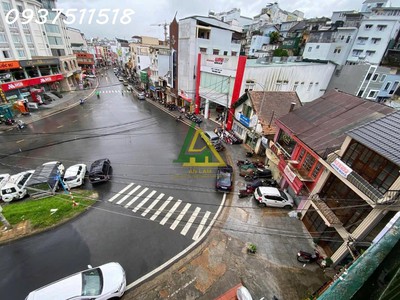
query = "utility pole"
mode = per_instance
[{"x": 226, "y": 111}]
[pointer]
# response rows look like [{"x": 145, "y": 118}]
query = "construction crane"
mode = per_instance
[{"x": 165, "y": 25}]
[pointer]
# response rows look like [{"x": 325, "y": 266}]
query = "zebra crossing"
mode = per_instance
[
  {"x": 186, "y": 218},
  {"x": 111, "y": 91}
]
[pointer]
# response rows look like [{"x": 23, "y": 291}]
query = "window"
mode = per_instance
[
  {"x": 359, "y": 94},
  {"x": 225, "y": 52},
  {"x": 375, "y": 40},
  {"x": 301, "y": 155},
  {"x": 52, "y": 28},
  {"x": 6, "y": 7},
  {"x": 20, "y": 8},
  {"x": 3, "y": 37},
  {"x": 295, "y": 86},
  {"x": 348, "y": 39},
  {"x": 370, "y": 53},
  {"x": 310, "y": 86},
  {"x": 234, "y": 53},
  {"x": 394, "y": 87},
  {"x": 372, "y": 94},
  {"x": 54, "y": 40},
  {"x": 368, "y": 26},
  {"x": 357, "y": 52},
  {"x": 387, "y": 86},
  {"x": 383, "y": 77},
  {"x": 32, "y": 51},
  {"x": 6, "y": 54},
  {"x": 317, "y": 47},
  {"x": 215, "y": 51},
  {"x": 337, "y": 50},
  {"x": 309, "y": 49},
  {"x": 278, "y": 85},
  {"x": 308, "y": 162},
  {"x": 21, "y": 53},
  {"x": 16, "y": 39},
  {"x": 316, "y": 170},
  {"x": 362, "y": 40},
  {"x": 381, "y": 27},
  {"x": 368, "y": 76},
  {"x": 29, "y": 38}
]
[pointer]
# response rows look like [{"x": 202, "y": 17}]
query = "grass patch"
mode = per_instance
[{"x": 38, "y": 213}]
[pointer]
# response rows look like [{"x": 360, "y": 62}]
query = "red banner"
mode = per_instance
[{"x": 31, "y": 81}]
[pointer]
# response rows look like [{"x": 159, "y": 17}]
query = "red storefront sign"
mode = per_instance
[{"x": 29, "y": 82}]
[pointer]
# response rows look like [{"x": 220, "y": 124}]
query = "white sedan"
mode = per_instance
[
  {"x": 104, "y": 282},
  {"x": 75, "y": 175}
]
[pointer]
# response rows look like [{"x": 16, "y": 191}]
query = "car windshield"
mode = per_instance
[
  {"x": 92, "y": 282},
  {"x": 258, "y": 192},
  {"x": 284, "y": 196},
  {"x": 224, "y": 178}
]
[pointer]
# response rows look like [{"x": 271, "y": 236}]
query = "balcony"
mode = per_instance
[
  {"x": 364, "y": 186},
  {"x": 324, "y": 210}
]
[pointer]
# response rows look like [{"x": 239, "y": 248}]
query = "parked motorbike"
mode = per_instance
[
  {"x": 250, "y": 154},
  {"x": 178, "y": 118},
  {"x": 21, "y": 124},
  {"x": 243, "y": 162},
  {"x": 259, "y": 173},
  {"x": 246, "y": 192},
  {"x": 81, "y": 101},
  {"x": 306, "y": 257},
  {"x": 7, "y": 121}
]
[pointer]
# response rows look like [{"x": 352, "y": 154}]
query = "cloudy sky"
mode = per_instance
[{"x": 148, "y": 12}]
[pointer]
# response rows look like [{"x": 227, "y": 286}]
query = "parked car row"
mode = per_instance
[{"x": 46, "y": 178}]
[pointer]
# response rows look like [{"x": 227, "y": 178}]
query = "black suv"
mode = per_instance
[{"x": 100, "y": 171}]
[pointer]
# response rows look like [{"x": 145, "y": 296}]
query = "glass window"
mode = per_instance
[
  {"x": 54, "y": 40},
  {"x": 316, "y": 170},
  {"x": 6, "y": 7},
  {"x": 6, "y": 54},
  {"x": 215, "y": 51},
  {"x": 394, "y": 87},
  {"x": 234, "y": 53},
  {"x": 203, "y": 50},
  {"x": 21, "y": 53},
  {"x": 92, "y": 282},
  {"x": 3, "y": 37},
  {"x": 16, "y": 38},
  {"x": 52, "y": 28},
  {"x": 308, "y": 162}
]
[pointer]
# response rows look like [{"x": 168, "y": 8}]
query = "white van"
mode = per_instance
[{"x": 14, "y": 188}]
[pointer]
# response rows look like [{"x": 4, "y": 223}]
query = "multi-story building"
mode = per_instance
[
  {"x": 367, "y": 81},
  {"x": 159, "y": 70},
  {"x": 22, "y": 41},
  {"x": 369, "y": 5},
  {"x": 232, "y": 17},
  {"x": 202, "y": 35},
  {"x": 260, "y": 39},
  {"x": 333, "y": 45},
  {"x": 77, "y": 40},
  {"x": 372, "y": 39},
  {"x": 358, "y": 194}
]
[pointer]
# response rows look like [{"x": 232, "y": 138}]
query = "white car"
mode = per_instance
[
  {"x": 60, "y": 166},
  {"x": 104, "y": 282},
  {"x": 271, "y": 196},
  {"x": 14, "y": 187},
  {"x": 75, "y": 175}
]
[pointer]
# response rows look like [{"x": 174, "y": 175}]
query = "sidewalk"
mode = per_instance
[
  {"x": 222, "y": 262},
  {"x": 69, "y": 99}
]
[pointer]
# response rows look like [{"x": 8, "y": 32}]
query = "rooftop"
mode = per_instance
[
  {"x": 382, "y": 136},
  {"x": 324, "y": 122}
]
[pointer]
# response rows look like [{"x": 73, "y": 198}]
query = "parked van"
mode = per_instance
[
  {"x": 15, "y": 187},
  {"x": 211, "y": 136}
]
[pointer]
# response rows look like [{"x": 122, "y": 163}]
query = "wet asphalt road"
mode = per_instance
[{"x": 141, "y": 143}]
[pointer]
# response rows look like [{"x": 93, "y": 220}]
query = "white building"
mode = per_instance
[
  {"x": 257, "y": 41},
  {"x": 368, "y": 5},
  {"x": 232, "y": 17},
  {"x": 372, "y": 39},
  {"x": 21, "y": 41},
  {"x": 77, "y": 40},
  {"x": 330, "y": 45},
  {"x": 308, "y": 80},
  {"x": 202, "y": 35}
]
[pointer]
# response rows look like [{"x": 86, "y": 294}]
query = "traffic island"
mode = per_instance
[{"x": 31, "y": 216}]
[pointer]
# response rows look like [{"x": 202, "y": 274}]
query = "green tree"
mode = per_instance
[
  {"x": 280, "y": 52},
  {"x": 274, "y": 37}
]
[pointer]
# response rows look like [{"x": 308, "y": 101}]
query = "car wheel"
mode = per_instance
[
  {"x": 262, "y": 205},
  {"x": 287, "y": 207}
]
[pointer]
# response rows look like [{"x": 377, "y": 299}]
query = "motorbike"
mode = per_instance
[
  {"x": 259, "y": 173},
  {"x": 7, "y": 121},
  {"x": 306, "y": 257},
  {"x": 21, "y": 124},
  {"x": 243, "y": 162},
  {"x": 250, "y": 153},
  {"x": 81, "y": 101},
  {"x": 98, "y": 96},
  {"x": 246, "y": 192},
  {"x": 178, "y": 118}
]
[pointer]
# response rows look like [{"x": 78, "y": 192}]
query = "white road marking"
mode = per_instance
[
  {"x": 120, "y": 193},
  {"x": 179, "y": 218},
  {"x": 153, "y": 204},
  {"x": 137, "y": 197},
  {"x": 129, "y": 194},
  {"x": 171, "y": 211},
  {"x": 144, "y": 201},
  {"x": 164, "y": 205},
  {"x": 74, "y": 121},
  {"x": 201, "y": 226},
  {"x": 180, "y": 254},
  {"x": 60, "y": 126},
  {"x": 191, "y": 220},
  {"x": 20, "y": 141}
]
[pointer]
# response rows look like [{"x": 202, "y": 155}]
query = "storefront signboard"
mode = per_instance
[
  {"x": 39, "y": 62},
  {"x": 7, "y": 65},
  {"x": 290, "y": 175},
  {"x": 244, "y": 120},
  {"x": 30, "y": 82},
  {"x": 343, "y": 169}
]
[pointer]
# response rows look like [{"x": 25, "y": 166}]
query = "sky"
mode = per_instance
[{"x": 149, "y": 13}]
